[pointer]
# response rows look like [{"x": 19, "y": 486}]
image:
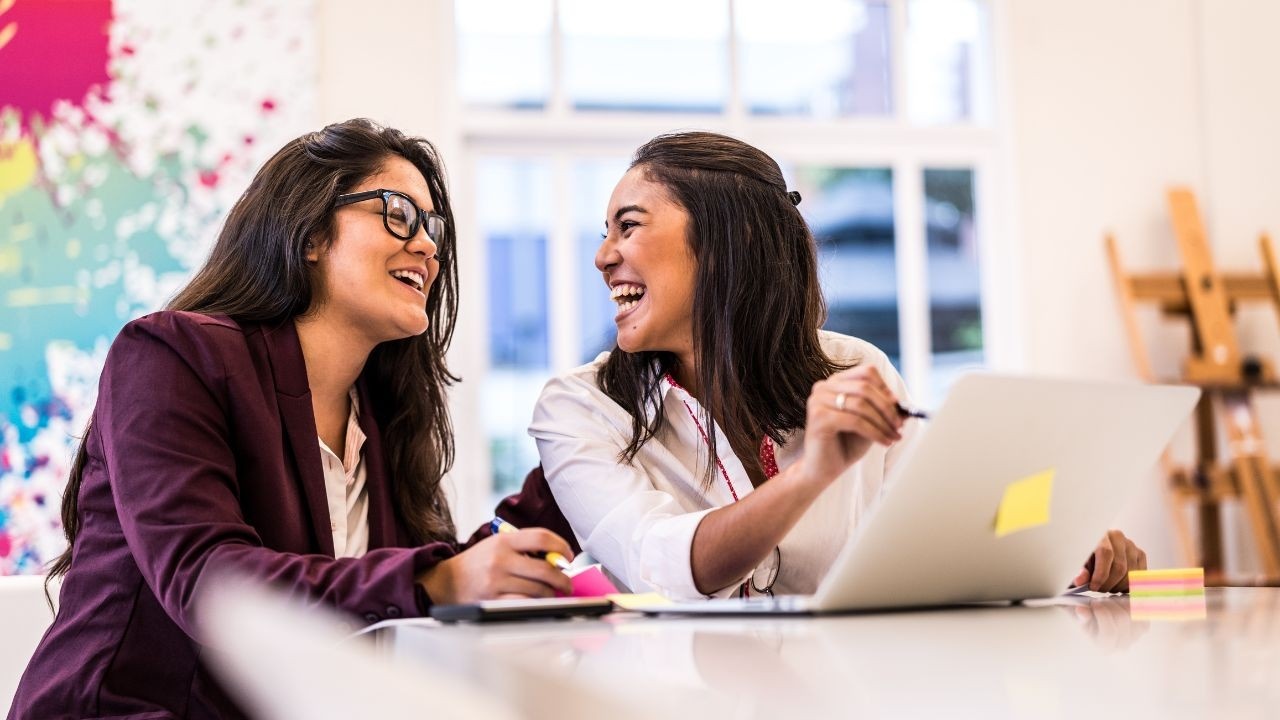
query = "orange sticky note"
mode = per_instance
[{"x": 1025, "y": 503}]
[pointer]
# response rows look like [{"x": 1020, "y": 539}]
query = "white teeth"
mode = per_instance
[
  {"x": 414, "y": 277},
  {"x": 626, "y": 291}
]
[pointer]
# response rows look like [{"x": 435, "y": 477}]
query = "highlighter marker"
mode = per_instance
[{"x": 498, "y": 525}]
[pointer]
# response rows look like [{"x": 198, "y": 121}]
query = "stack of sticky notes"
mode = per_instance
[
  {"x": 1171, "y": 594},
  {"x": 590, "y": 581}
]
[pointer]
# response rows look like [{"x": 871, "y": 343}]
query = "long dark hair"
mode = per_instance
[
  {"x": 757, "y": 304},
  {"x": 257, "y": 272}
]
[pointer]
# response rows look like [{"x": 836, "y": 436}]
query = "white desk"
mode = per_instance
[{"x": 1060, "y": 661}]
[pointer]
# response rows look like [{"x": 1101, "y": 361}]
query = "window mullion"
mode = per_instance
[
  {"x": 558, "y": 102},
  {"x": 735, "y": 109},
  {"x": 564, "y": 327},
  {"x": 911, "y": 262}
]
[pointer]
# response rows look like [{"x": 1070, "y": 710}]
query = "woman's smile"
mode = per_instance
[{"x": 628, "y": 296}]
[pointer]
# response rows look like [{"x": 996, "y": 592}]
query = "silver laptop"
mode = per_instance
[{"x": 947, "y": 529}]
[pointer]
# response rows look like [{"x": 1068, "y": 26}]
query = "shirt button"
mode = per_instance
[
  {"x": 333, "y": 527},
  {"x": 393, "y": 611},
  {"x": 371, "y": 617}
]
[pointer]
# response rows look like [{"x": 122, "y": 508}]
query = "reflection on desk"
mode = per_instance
[{"x": 1056, "y": 659}]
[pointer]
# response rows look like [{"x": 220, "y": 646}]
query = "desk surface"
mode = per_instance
[{"x": 1078, "y": 657}]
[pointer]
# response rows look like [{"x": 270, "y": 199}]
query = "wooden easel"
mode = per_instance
[{"x": 1208, "y": 299}]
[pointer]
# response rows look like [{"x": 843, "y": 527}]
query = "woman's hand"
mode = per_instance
[
  {"x": 500, "y": 566},
  {"x": 1107, "y": 570},
  {"x": 846, "y": 413}
]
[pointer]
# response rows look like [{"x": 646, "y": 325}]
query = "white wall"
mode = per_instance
[{"x": 1110, "y": 104}]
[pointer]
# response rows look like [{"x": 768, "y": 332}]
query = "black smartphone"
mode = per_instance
[{"x": 508, "y": 610}]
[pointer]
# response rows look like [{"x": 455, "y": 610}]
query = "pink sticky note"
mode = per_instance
[{"x": 592, "y": 583}]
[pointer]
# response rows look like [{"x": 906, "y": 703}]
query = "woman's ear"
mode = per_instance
[{"x": 311, "y": 253}]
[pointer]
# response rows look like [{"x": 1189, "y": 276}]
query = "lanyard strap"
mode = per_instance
[{"x": 768, "y": 456}]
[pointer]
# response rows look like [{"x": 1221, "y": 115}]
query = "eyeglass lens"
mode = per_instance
[{"x": 403, "y": 219}]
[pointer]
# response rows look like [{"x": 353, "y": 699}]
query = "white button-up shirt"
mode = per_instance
[
  {"x": 639, "y": 519},
  {"x": 344, "y": 488}
]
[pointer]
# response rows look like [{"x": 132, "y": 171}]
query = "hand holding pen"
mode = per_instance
[
  {"x": 508, "y": 564},
  {"x": 498, "y": 525}
]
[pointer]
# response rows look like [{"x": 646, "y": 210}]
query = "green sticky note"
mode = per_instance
[{"x": 1025, "y": 503}]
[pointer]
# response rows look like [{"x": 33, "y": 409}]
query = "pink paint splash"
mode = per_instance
[{"x": 58, "y": 51}]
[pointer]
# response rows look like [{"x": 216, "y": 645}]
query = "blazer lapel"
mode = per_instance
[
  {"x": 382, "y": 516},
  {"x": 293, "y": 395}
]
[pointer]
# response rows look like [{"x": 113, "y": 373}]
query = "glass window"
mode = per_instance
[
  {"x": 822, "y": 58},
  {"x": 593, "y": 182},
  {"x": 944, "y": 42},
  {"x": 660, "y": 55},
  {"x": 850, "y": 211},
  {"x": 513, "y": 207},
  {"x": 955, "y": 297},
  {"x": 504, "y": 52}
]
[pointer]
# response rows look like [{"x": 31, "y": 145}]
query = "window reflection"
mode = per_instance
[
  {"x": 504, "y": 52},
  {"x": 660, "y": 55},
  {"x": 513, "y": 206},
  {"x": 850, "y": 211},
  {"x": 955, "y": 298},
  {"x": 943, "y": 46},
  {"x": 822, "y": 58}
]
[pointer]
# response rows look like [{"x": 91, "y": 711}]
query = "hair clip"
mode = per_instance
[{"x": 794, "y": 196}]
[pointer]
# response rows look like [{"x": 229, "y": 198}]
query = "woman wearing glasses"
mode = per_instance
[
  {"x": 285, "y": 419},
  {"x": 726, "y": 445}
]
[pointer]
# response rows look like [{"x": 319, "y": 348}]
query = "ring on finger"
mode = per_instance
[{"x": 840, "y": 399}]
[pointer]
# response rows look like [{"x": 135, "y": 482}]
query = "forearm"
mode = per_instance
[{"x": 732, "y": 540}]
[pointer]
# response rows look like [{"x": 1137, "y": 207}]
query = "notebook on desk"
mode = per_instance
[{"x": 1001, "y": 496}]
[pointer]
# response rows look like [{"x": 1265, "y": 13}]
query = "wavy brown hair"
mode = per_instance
[
  {"x": 757, "y": 303},
  {"x": 257, "y": 272}
]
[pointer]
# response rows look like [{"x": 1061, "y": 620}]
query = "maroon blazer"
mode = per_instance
[{"x": 203, "y": 458}]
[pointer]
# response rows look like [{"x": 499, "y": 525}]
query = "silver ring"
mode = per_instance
[{"x": 840, "y": 398}]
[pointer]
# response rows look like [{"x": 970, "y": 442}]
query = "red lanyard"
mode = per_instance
[{"x": 768, "y": 458}]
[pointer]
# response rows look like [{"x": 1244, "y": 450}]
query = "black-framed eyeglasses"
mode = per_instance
[{"x": 400, "y": 215}]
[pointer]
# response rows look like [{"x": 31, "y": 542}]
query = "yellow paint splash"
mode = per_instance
[{"x": 17, "y": 166}]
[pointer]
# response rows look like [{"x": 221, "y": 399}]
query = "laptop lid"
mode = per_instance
[{"x": 1053, "y": 460}]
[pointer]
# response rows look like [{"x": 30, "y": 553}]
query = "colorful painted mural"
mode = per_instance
[{"x": 127, "y": 129}]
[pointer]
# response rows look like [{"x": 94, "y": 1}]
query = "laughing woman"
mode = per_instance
[
  {"x": 727, "y": 444},
  {"x": 286, "y": 420}
]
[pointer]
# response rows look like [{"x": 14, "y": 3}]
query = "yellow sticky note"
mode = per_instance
[
  {"x": 1025, "y": 503},
  {"x": 630, "y": 601}
]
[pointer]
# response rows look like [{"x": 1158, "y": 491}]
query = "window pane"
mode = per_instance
[
  {"x": 822, "y": 58},
  {"x": 955, "y": 298},
  {"x": 850, "y": 211},
  {"x": 943, "y": 45},
  {"x": 513, "y": 209},
  {"x": 504, "y": 52},
  {"x": 664, "y": 55},
  {"x": 593, "y": 182}
]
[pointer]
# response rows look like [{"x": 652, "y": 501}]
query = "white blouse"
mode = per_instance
[
  {"x": 639, "y": 519},
  {"x": 345, "y": 490}
]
